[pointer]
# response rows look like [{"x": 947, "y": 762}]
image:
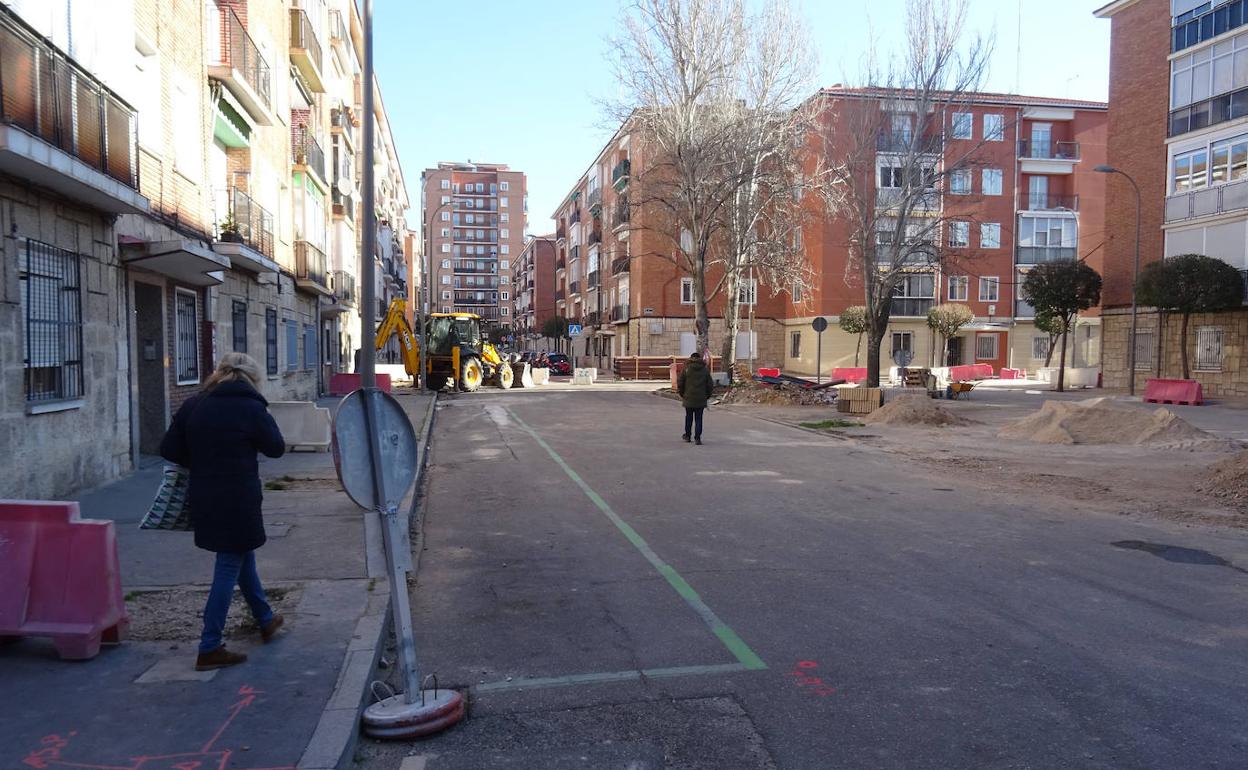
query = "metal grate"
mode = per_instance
[
  {"x": 1040, "y": 347},
  {"x": 1145, "y": 349},
  {"x": 270, "y": 341},
  {"x": 239, "y": 321},
  {"x": 51, "y": 295},
  {"x": 985, "y": 347},
  {"x": 1209, "y": 348},
  {"x": 186, "y": 325}
]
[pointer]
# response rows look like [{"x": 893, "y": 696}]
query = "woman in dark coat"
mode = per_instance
[{"x": 216, "y": 435}]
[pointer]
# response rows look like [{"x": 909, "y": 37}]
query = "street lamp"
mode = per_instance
[{"x": 1135, "y": 275}]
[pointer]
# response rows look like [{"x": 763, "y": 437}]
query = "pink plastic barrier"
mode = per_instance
[
  {"x": 342, "y": 384},
  {"x": 60, "y": 577},
  {"x": 1174, "y": 392},
  {"x": 1011, "y": 374},
  {"x": 764, "y": 371},
  {"x": 850, "y": 373},
  {"x": 970, "y": 372}
]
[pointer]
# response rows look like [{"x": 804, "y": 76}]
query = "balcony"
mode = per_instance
[
  {"x": 595, "y": 237},
  {"x": 593, "y": 318},
  {"x": 339, "y": 33},
  {"x": 479, "y": 284},
  {"x": 622, "y": 215},
  {"x": 470, "y": 267},
  {"x": 471, "y": 298},
  {"x": 306, "y": 153},
  {"x": 344, "y": 287},
  {"x": 595, "y": 201},
  {"x": 561, "y": 263},
  {"x": 310, "y": 268},
  {"x": 1038, "y": 255},
  {"x": 344, "y": 206},
  {"x": 245, "y": 224},
  {"x": 559, "y": 295},
  {"x": 305, "y": 50},
  {"x": 76, "y": 136},
  {"x": 1048, "y": 202},
  {"x": 235, "y": 60},
  {"x": 901, "y": 142},
  {"x": 341, "y": 123},
  {"x": 574, "y": 287},
  {"x": 574, "y": 217},
  {"x": 574, "y": 253},
  {"x": 620, "y": 175},
  {"x": 619, "y": 313},
  {"x": 620, "y": 265},
  {"x": 1048, "y": 157},
  {"x": 1207, "y": 201},
  {"x": 910, "y": 307},
  {"x": 591, "y": 280},
  {"x": 1195, "y": 28},
  {"x": 888, "y": 198}
]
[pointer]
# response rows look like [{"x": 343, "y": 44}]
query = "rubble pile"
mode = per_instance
[
  {"x": 1227, "y": 479},
  {"x": 915, "y": 410},
  {"x": 1104, "y": 421},
  {"x": 748, "y": 391}
]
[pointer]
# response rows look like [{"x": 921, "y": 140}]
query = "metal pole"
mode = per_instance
[
  {"x": 1135, "y": 278},
  {"x": 421, "y": 294},
  {"x": 818, "y": 357},
  {"x": 368, "y": 299}
]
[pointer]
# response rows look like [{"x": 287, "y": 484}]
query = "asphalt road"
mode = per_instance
[{"x": 615, "y": 597}]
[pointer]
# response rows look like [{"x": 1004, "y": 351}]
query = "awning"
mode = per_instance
[
  {"x": 230, "y": 126},
  {"x": 185, "y": 260}
]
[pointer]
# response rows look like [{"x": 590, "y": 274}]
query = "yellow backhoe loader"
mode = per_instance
[{"x": 458, "y": 352}]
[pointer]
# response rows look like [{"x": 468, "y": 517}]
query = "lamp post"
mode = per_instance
[{"x": 1135, "y": 274}]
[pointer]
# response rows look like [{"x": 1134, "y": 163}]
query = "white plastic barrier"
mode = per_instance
[
  {"x": 397, "y": 372},
  {"x": 541, "y": 375},
  {"x": 304, "y": 425},
  {"x": 584, "y": 376},
  {"x": 1081, "y": 377}
]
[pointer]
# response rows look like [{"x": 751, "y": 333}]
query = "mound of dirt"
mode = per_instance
[
  {"x": 1103, "y": 421},
  {"x": 1227, "y": 479},
  {"x": 914, "y": 410},
  {"x": 750, "y": 392}
]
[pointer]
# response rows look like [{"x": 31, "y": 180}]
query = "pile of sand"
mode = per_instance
[
  {"x": 1227, "y": 479},
  {"x": 1103, "y": 421},
  {"x": 914, "y": 410},
  {"x": 751, "y": 392}
]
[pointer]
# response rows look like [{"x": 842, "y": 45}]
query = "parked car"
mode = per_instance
[{"x": 559, "y": 364}]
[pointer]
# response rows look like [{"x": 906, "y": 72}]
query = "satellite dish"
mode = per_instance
[
  {"x": 903, "y": 357},
  {"x": 345, "y": 188}
]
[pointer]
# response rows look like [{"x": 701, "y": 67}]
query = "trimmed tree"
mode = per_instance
[
  {"x": 1061, "y": 290},
  {"x": 946, "y": 320},
  {"x": 1051, "y": 325},
  {"x": 854, "y": 321},
  {"x": 1190, "y": 283}
]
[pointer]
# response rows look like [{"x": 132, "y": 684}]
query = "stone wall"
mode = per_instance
[
  {"x": 56, "y": 454},
  {"x": 1230, "y": 379}
]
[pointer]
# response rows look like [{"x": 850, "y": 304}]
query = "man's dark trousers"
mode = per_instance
[{"x": 693, "y": 419}]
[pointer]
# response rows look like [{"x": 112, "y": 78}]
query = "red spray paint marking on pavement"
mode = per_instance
[
  {"x": 803, "y": 676},
  {"x": 49, "y": 756}
]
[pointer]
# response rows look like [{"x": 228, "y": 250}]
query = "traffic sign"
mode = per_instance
[
  {"x": 820, "y": 324},
  {"x": 574, "y": 330}
]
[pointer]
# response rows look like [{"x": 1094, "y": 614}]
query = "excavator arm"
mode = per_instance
[{"x": 394, "y": 323}]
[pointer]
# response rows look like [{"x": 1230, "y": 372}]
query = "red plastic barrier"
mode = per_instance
[
  {"x": 342, "y": 384},
  {"x": 59, "y": 577},
  {"x": 850, "y": 373},
  {"x": 970, "y": 372},
  {"x": 764, "y": 371},
  {"x": 1174, "y": 392},
  {"x": 1011, "y": 374}
]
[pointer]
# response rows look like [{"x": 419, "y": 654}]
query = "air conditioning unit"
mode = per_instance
[
  {"x": 656, "y": 327},
  {"x": 992, "y": 310}
]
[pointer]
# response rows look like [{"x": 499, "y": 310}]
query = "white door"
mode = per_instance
[
  {"x": 1038, "y": 192},
  {"x": 1041, "y": 140}
]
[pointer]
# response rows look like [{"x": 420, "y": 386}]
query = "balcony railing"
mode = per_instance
[
  {"x": 621, "y": 213},
  {"x": 591, "y": 280},
  {"x": 338, "y": 27},
  {"x": 574, "y": 217},
  {"x": 344, "y": 205},
  {"x": 561, "y": 232},
  {"x": 593, "y": 318},
  {"x": 1207, "y": 201},
  {"x": 891, "y": 197},
  {"x": 904, "y": 142},
  {"x": 1037, "y": 255},
  {"x": 910, "y": 307},
  {"x": 1049, "y": 202},
  {"x": 480, "y": 284},
  {"x": 574, "y": 287},
  {"x": 558, "y": 294},
  {"x": 309, "y": 263},
  {"x": 561, "y": 263},
  {"x": 303, "y": 37},
  {"x": 239, "y": 52},
  {"x": 43, "y": 92},
  {"x": 595, "y": 200},
  {"x": 471, "y": 267},
  {"x": 620, "y": 265},
  {"x": 595, "y": 237},
  {"x": 306, "y": 151},
  {"x": 1029, "y": 150},
  {"x": 344, "y": 287},
  {"x": 620, "y": 174},
  {"x": 619, "y": 313},
  {"x": 253, "y": 223},
  {"x": 574, "y": 253}
]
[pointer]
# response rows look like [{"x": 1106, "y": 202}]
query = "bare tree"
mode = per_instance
[
  {"x": 711, "y": 94},
  {"x": 892, "y": 160}
]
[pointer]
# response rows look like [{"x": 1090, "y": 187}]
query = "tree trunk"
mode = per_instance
[
  {"x": 1187, "y": 373},
  {"x": 701, "y": 320},
  {"x": 875, "y": 338},
  {"x": 732, "y": 322},
  {"x": 1061, "y": 364},
  {"x": 1048, "y": 357},
  {"x": 857, "y": 349}
]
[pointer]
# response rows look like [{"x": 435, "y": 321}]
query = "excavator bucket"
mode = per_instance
[{"x": 523, "y": 374}]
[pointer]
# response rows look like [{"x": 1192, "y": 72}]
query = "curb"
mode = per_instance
[{"x": 333, "y": 742}]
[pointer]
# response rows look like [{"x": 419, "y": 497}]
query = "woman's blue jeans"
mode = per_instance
[{"x": 232, "y": 569}]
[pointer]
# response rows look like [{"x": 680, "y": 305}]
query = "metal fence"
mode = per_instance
[{"x": 238, "y": 51}]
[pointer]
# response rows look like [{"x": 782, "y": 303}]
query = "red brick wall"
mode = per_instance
[{"x": 1138, "y": 111}]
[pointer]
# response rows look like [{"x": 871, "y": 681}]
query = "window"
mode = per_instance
[
  {"x": 504, "y": 264},
  {"x": 270, "y": 341},
  {"x": 505, "y": 217},
  {"x": 51, "y": 299},
  {"x": 502, "y": 202},
  {"x": 992, "y": 181},
  {"x": 747, "y": 291},
  {"x": 446, "y": 232},
  {"x": 986, "y": 347},
  {"x": 446, "y": 199},
  {"x": 1145, "y": 349},
  {"x": 891, "y": 177},
  {"x": 446, "y": 184},
  {"x": 795, "y": 344},
  {"x": 960, "y": 181},
  {"x": 446, "y": 248},
  {"x": 469, "y": 219},
  {"x": 796, "y": 293},
  {"x": 309, "y": 346},
  {"x": 446, "y": 216},
  {"x": 503, "y": 186},
  {"x": 959, "y": 234},
  {"x": 446, "y": 264},
  {"x": 188, "y": 145},
  {"x": 147, "y": 94},
  {"x": 186, "y": 334},
  {"x": 990, "y": 235},
  {"x": 1229, "y": 159},
  {"x": 446, "y": 280},
  {"x": 963, "y": 123},
  {"x": 994, "y": 128},
  {"x": 1191, "y": 170},
  {"x": 504, "y": 295},
  {"x": 505, "y": 249},
  {"x": 446, "y": 296},
  {"x": 686, "y": 291},
  {"x": 1040, "y": 347},
  {"x": 292, "y": 346},
  {"x": 455, "y": 187},
  {"x": 504, "y": 280},
  {"x": 239, "y": 324},
  {"x": 504, "y": 233},
  {"x": 958, "y": 286},
  {"x": 446, "y": 308},
  {"x": 1208, "y": 348},
  {"x": 989, "y": 288},
  {"x": 902, "y": 341}
]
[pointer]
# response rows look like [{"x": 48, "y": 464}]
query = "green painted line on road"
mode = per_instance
[
  {"x": 609, "y": 677},
  {"x": 735, "y": 644}
]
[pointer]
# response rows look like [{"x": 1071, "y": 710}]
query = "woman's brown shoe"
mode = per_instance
[
  {"x": 269, "y": 630},
  {"x": 218, "y": 658}
]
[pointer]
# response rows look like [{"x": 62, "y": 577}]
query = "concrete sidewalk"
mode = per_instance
[{"x": 141, "y": 706}]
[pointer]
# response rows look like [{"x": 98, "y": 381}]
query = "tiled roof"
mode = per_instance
[{"x": 980, "y": 97}]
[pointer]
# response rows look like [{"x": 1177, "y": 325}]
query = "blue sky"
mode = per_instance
[{"x": 512, "y": 82}]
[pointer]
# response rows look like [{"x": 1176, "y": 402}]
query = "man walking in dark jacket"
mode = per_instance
[{"x": 694, "y": 385}]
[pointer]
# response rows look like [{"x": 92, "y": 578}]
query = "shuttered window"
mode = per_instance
[{"x": 1209, "y": 348}]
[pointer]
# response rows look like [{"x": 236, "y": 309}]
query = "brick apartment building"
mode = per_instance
[
  {"x": 1030, "y": 195},
  {"x": 1179, "y": 127},
  {"x": 474, "y": 218},
  {"x": 534, "y": 297}
]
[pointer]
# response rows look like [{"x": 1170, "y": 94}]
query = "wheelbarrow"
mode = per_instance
[{"x": 956, "y": 390}]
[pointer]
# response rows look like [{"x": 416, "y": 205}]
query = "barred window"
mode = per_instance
[
  {"x": 51, "y": 297},
  {"x": 239, "y": 321},
  {"x": 1040, "y": 347},
  {"x": 186, "y": 331},
  {"x": 795, "y": 344},
  {"x": 985, "y": 347},
  {"x": 309, "y": 346},
  {"x": 292, "y": 346},
  {"x": 270, "y": 341},
  {"x": 1145, "y": 349},
  {"x": 1209, "y": 348}
]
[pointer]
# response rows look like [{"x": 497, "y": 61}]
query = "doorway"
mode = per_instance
[
  {"x": 953, "y": 351},
  {"x": 149, "y": 329}
]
